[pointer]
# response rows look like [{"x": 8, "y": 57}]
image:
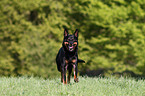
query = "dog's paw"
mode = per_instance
[{"x": 76, "y": 80}]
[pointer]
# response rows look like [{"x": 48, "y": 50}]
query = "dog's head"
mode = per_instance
[{"x": 70, "y": 42}]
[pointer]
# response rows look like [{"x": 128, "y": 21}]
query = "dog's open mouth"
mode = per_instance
[{"x": 71, "y": 48}]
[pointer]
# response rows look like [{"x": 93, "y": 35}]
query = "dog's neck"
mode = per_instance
[{"x": 70, "y": 54}]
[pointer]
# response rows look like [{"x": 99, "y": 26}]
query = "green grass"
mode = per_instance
[{"x": 23, "y": 86}]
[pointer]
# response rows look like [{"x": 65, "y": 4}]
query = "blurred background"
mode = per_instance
[{"x": 111, "y": 36}]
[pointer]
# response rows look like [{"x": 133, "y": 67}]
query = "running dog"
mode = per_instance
[{"x": 67, "y": 57}]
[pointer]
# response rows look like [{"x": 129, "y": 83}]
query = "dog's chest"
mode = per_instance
[{"x": 69, "y": 59}]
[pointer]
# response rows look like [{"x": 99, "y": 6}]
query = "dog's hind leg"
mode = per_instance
[{"x": 61, "y": 77}]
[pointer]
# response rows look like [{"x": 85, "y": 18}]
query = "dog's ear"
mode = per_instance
[
  {"x": 65, "y": 32},
  {"x": 76, "y": 33}
]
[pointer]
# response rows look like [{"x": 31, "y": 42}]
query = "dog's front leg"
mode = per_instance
[
  {"x": 64, "y": 76},
  {"x": 75, "y": 72},
  {"x": 69, "y": 73}
]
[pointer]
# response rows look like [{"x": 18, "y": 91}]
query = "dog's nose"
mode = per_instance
[{"x": 71, "y": 43}]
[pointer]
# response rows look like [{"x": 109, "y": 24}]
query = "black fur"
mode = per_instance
[{"x": 67, "y": 57}]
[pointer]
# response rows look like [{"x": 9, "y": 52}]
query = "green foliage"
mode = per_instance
[
  {"x": 111, "y": 35},
  {"x": 87, "y": 86}
]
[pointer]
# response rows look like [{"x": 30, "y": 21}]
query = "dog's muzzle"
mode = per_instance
[{"x": 71, "y": 48}]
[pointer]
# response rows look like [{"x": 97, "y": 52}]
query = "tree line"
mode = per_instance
[{"x": 111, "y": 35}]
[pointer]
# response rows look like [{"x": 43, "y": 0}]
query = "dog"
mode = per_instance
[{"x": 67, "y": 57}]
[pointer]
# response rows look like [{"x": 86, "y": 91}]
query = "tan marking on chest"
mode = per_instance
[
  {"x": 74, "y": 60},
  {"x": 66, "y": 61}
]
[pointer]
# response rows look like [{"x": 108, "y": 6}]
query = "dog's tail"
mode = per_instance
[{"x": 81, "y": 61}]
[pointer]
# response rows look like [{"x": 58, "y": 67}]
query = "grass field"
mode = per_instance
[{"x": 24, "y": 86}]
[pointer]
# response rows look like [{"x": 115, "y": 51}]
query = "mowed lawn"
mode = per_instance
[{"x": 24, "y": 86}]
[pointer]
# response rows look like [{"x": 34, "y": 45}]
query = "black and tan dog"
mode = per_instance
[{"x": 67, "y": 57}]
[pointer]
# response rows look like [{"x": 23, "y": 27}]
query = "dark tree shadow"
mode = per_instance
[{"x": 101, "y": 73}]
